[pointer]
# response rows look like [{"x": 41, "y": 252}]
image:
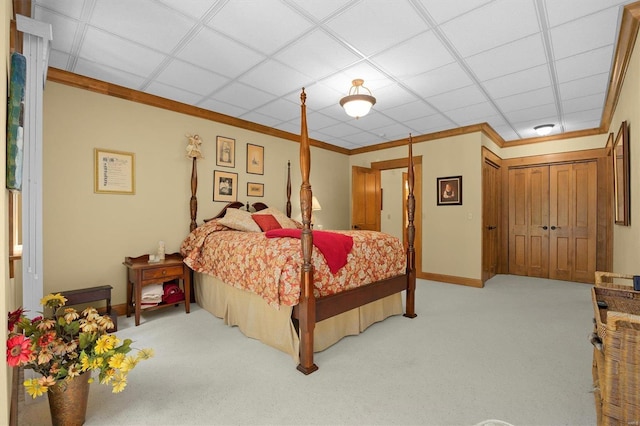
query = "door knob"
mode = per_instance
[
  {"x": 545, "y": 227},
  {"x": 553, "y": 228}
]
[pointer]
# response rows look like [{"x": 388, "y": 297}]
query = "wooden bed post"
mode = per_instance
[
  {"x": 288, "y": 188},
  {"x": 194, "y": 200},
  {"x": 411, "y": 232},
  {"x": 307, "y": 304}
]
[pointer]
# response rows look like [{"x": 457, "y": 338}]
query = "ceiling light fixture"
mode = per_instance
[
  {"x": 356, "y": 104},
  {"x": 543, "y": 129}
]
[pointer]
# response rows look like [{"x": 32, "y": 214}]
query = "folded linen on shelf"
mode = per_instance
[{"x": 151, "y": 294}]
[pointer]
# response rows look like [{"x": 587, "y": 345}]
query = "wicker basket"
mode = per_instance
[{"x": 616, "y": 356}]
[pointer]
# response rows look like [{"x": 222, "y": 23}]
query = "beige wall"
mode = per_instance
[
  {"x": 88, "y": 235},
  {"x": 451, "y": 235},
  {"x": 626, "y": 239}
]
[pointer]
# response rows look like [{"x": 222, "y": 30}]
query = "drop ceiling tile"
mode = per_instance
[
  {"x": 320, "y": 10},
  {"x": 59, "y": 59},
  {"x": 173, "y": 93},
  {"x": 507, "y": 133},
  {"x": 341, "y": 130},
  {"x": 319, "y": 120},
  {"x": 391, "y": 22},
  {"x": 243, "y": 96},
  {"x": 144, "y": 22},
  {"x": 526, "y": 100},
  {"x": 317, "y": 55},
  {"x": 319, "y": 97},
  {"x": 518, "y": 82},
  {"x": 509, "y": 58},
  {"x": 432, "y": 123},
  {"x": 72, "y": 9},
  {"x": 583, "y": 103},
  {"x": 107, "y": 73},
  {"x": 281, "y": 110},
  {"x": 391, "y": 96},
  {"x": 106, "y": 49},
  {"x": 593, "y": 31},
  {"x": 559, "y": 12},
  {"x": 213, "y": 104},
  {"x": 532, "y": 114},
  {"x": 442, "y": 11},
  {"x": 281, "y": 78},
  {"x": 188, "y": 77},
  {"x": 584, "y": 86},
  {"x": 265, "y": 25},
  {"x": 584, "y": 65},
  {"x": 587, "y": 124},
  {"x": 63, "y": 29},
  {"x": 372, "y": 120},
  {"x": 494, "y": 24},
  {"x": 409, "y": 111},
  {"x": 421, "y": 53},
  {"x": 457, "y": 98},
  {"x": 265, "y": 120},
  {"x": 441, "y": 80},
  {"x": 589, "y": 115},
  {"x": 193, "y": 8},
  {"x": 212, "y": 50},
  {"x": 472, "y": 114}
]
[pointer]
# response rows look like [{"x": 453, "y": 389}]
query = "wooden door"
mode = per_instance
[
  {"x": 529, "y": 221},
  {"x": 572, "y": 221},
  {"x": 365, "y": 198},
  {"x": 490, "y": 218}
]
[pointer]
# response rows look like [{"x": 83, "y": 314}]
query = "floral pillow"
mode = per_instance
[
  {"x": 239, "y": 220},
  {"x": 282, "y": 218}
]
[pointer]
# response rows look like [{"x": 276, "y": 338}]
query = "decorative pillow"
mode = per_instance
[
  {"x": 239, "y": 220},
  {"x": 282, "y": 218},
  {"x": 266, "y": 222}
]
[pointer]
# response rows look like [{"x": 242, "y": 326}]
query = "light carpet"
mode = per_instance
[{"x": 516, "y": 350}]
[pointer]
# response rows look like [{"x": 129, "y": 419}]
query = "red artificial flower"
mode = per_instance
[
  {"x": 18, "y": 350},
  {"x": 14, "y": 317}
]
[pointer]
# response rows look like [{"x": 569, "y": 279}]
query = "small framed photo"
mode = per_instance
[
  {"x": 255, "y": 189},
  {"x": 225, "y": 152},
  {"x": 255, "y": 159},
  {"x": 225, "y": 186},
  {"x": 449, "y": 191},
  {"x": 114, "y": 172}
]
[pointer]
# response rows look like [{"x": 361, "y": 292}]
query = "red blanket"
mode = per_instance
[{"x": 334, "y": 247}]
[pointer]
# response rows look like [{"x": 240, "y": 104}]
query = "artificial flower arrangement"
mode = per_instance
[{"x": 62, "y": 344}]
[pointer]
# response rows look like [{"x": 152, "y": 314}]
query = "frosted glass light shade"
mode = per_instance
[{"x": 356, "y": 104}]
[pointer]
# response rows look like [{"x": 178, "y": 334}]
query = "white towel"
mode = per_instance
[{"x": 152, "y": 293}]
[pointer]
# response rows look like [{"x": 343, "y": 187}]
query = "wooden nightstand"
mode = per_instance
[{"x": 140, "y": 273}]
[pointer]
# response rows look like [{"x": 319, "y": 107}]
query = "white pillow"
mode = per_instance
[
  {"x": 239, "y": 220},
  {"x": 282, "y": 218}
]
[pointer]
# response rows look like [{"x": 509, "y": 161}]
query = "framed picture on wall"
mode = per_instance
[
  {"x": 225, "y": 152},
  {"x": 255, "y": 189},
  {"x": 114, "y": 172},
  {"x": 225, "y": 186},
  {"x": 449, "y": 191},
  {"x": 621, "y": 175},
  {"x": 255, "y": 159}
]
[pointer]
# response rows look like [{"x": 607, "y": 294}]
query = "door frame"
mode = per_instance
[
  {"x": 401, "y": 163},
  {"x": 604, "y": 233}
]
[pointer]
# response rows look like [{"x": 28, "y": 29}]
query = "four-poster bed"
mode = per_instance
[{"x": 296, "y": 301}]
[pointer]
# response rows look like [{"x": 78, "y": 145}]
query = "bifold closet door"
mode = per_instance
[
  {"x": 529, "y": 221},
  {"x": 572, "y": 221},
  {"x": 552, "y": 221}
]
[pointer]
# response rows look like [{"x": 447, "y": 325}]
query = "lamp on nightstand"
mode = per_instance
[{"x": 315, "y": 206}]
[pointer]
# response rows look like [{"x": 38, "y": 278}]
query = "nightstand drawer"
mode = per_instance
[{"x": 169, "y": 271}]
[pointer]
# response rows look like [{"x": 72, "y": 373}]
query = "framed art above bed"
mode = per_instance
[{"x": 225, "y": 186}]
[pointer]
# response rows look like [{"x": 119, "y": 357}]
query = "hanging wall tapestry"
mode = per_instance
[{"x": 15, "y": 123}]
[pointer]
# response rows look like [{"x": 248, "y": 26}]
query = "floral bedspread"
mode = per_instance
[{"x": 270, "y": 267}]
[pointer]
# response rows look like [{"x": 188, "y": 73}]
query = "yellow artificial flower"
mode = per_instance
[
  {"x": 108, "y": 376},
  {"x": 105, "y": 343},
  {"x": 145, "y": 353},
  {"x": 53, "y": 300},
  {"x": 116, "y": 360},
  {"x": 96, "y": 363},
  {"x": 84, "y": 362},
  {"x": 34, "y": 388},
  {"x": 119, "y": 382},
  {"x": 128, "y": 363}
]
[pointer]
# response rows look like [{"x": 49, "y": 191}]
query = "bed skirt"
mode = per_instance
[{"x": 256, "y": 319}]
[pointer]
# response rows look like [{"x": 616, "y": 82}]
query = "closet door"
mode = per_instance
[
  {"x": 529, "y": 221},
  {"x": 572, "y": 220}
]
